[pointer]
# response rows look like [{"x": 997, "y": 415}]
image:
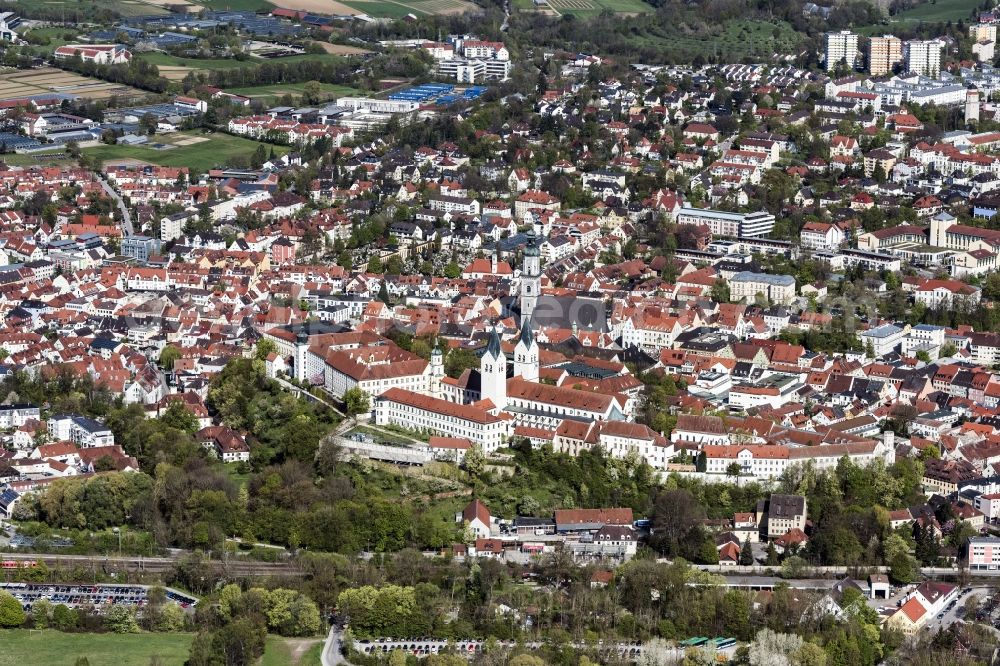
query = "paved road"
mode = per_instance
[
  {"x": 332, "y": 654},
  {"x": 120, "y": 203},
  {"x": 307, "y": 395}
]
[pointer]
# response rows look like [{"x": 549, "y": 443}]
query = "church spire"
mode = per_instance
[{"x": 493, "y": 372}]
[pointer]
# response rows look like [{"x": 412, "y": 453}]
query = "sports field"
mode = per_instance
[
  {"x": 198, "y": 151},
  {"x": 22, "y": 83}
]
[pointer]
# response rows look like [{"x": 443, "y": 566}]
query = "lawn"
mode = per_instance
[
  {"x": 23, "y": 647},
  {"x": 217, "y": 150},
  {"x": 274, "y": 91},
  {"x": 232, "y": 470},
  {"x": 939, "y": 11},
  {"x": 56, "y": 36}
]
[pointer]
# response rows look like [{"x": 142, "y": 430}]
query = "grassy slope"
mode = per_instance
[
  {"x": 940, "y": 11},
  {"x": 733, "y": 40},
  {"x": 22, "y": 647}
]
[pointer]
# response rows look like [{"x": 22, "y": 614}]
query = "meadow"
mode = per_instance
[
  {"x": 24, "y": 647},
  {"x": 30, "y": 647}
]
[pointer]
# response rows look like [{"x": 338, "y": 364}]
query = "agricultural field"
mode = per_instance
[
  {"x": 21, "y": 83},
  {"x": 198, "y": 151},
  {"x": 22, "y": 647},
  {"x": 175, "y": 68},
  {"x": 317, "y": 6},
  {"x": 239, "y": 5},
  {"x": 342, "y": 49},
  {"x": 272, "y": 92},
  {"x": 123, "y": 7},
  {"x": 167, "y": 60},
  {"x": 400, "y": 8},
  {"x": 591, "y": 7}
]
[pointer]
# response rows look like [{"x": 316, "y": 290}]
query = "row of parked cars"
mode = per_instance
[
  {"x": 418, "y": 648},
  {"x": 79, "y": 595},
  {"x": 426, "y": 646},
  {"x": 951, "y": 604}
]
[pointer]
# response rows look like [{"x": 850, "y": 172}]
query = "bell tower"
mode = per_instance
[{"x": 531, "y": 277}]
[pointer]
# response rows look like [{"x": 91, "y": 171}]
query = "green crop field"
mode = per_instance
[
  {"x": 167, "y": 60},
  {"x": 237, "y": 5},
  {"x": 939, "y": 11},
  {"x": 22, "y": 647},
  {"x": 383, "y": 8},
  {"x": 216, "y": 150},
  {"x": 194, "y": 63}
]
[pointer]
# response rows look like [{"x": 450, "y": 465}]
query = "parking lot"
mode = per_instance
[
  {"x": 426, "y": 646},
  {"x": 989, "y": 606},
  {"x": 955, "y": 610},
  {"x": 83, "y": 596}
]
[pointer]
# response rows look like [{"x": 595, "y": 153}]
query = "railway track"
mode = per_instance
[{"x": 234, "y": 567}]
